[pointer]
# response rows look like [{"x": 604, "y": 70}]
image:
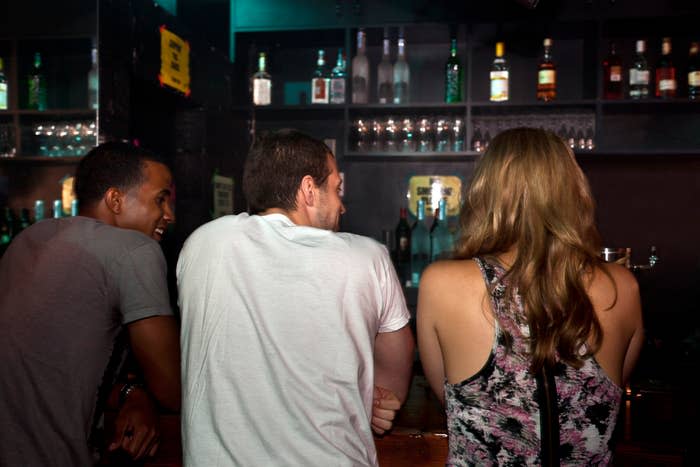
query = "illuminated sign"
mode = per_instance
[
  {"x": 174, "y": 62},
  {"x": 431, "y": 188}
]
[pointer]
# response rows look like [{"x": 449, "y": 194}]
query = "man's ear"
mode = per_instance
[
  {"x": 307, "y": 188},
  {"x": 114, "y": 200}
]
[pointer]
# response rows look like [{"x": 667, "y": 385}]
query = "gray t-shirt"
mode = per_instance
[{"x": 67, "y": 287}]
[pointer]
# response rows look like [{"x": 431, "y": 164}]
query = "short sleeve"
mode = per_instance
[
  {"x": 395, "y": 314},
  {"x": 143, "y": 289}
]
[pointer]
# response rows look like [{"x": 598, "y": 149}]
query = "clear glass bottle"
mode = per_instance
[
  {"x": 639, "y": 73},
  {"x": 93, "y": 81},
  {"x": 36, "y": 83},
  {"x": 360, "y": 71},
  {"x": 499, "y": 75},
  {"x": 3, "y": 87},
  {"x": 338, "y": 79},
  {"x": 385, "y": 72},
  {"x": 612, "y": 74},
  {"x": 320, "y": 82},
  {"x": 454, "y": 75},
  {"x": 694, "y": 71},
  {"x": 546, "y": 74},
  {"x": 441, "y": 239},
  {"x": 57, "y": 208},
  {"x": 420, "y": 245},
  {"x": 402, "y": 73},
  {"x": 665, "y": 72},
  {"x": 261, "y": 82}
]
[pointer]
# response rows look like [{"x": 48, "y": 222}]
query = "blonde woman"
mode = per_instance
[{"x": 527, "y": 310}]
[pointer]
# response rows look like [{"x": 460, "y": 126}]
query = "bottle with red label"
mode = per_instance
[
  {"x": 612, "y": 74},
  {"x": 666, "y": 72}
]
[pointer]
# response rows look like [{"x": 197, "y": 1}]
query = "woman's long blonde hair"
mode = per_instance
[{"x": 528, "y": 193}]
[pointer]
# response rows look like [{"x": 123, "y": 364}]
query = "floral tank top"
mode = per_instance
[{"x": 493, "y": 417}]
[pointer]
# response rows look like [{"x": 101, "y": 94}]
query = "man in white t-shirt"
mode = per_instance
[{"x": 295, "y": 344}]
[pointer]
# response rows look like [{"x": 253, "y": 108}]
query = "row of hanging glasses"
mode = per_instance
[
  {"x": 576, "y": 129},
  {"x": 62, "y": 139},
  {"x": 408, "y": 134}
]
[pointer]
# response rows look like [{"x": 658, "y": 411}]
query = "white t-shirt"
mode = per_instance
[{"x": 278, "y": 330}]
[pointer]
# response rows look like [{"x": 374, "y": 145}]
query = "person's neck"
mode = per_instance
[{"x": 296, "y": 216}]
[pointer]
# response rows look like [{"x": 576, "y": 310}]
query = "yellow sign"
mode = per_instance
[
  {"x": 431, "y": 188},
  {"x": 174, "y": 62}
]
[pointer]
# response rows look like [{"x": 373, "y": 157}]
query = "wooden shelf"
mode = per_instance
[{"x": 42, "y": 159}]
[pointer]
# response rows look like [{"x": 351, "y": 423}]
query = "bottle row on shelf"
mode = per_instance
[
  {"x": 37, "y": 90},
  {"x": 11, "y": 225},
  {"x": 416, "y": 246},
  {"x": 393, "y": 79}
]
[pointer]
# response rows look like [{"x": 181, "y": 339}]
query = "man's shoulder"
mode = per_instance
[{"x": 362, "y": 244}]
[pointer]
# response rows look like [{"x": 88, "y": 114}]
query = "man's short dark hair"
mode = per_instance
[
  {"x": 275, "y": 165},
  {"x": 108, "y": 165}
]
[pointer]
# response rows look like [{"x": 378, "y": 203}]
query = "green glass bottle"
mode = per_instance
[
  {"x": 441, "y": 239},
  {"x": 420, "y": 245},
  {"x": 454, "y": 76},
  {"x": 36, "y": 82},
  {"x": 3, "y": 87}
]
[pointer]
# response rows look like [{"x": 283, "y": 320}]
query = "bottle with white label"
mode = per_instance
[
  {"x": 639, "y": 73},
  {"x": 499, "y": 75},
  {"x": 320, "y": 82},
  {"x": 338, "y": 80},
  {"x": 262, "y": 83},
  {"x": 3, "y": 87}
]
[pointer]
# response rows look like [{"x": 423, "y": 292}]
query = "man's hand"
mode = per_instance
[
  {"x": 136, "y": 429},
  {"x": 384, "y": 408}
]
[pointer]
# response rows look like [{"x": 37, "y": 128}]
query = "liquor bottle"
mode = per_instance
[
  {"x": 24, "y": 220},
  {"x": 38, "y": 210},
  {"x": 694, "y": 71},
  {"x": 385, "y": 79},
  {"x": 441, "y": 239},
  {"x": 420, "y": 245},
  {"x": 499, "y": 75},
  {"x": 402, "y": 73},
  {"x": 93, "y": 81},
  {"x": 403, "y": 247},
  {"x": 262, "y": 82},
  {"x": 612, "y": 74},
  {"x": 454, "y": 75},
  {"x": 57, "y": 208},
  {"x": 320, "y": 81},
  {"x": 665, "y": 72},
  {"x": 36, "y": 82},
  {"x": 10, "y": 222},
  {"x": 5, "y": 235},
  {"x": 3, "y": 87},
  {"x": 639, "y": 73},
  {"x": 360, "y": 71},
  {"x": 338, "y": 80},
  {"x": 74, "y": 210},
  {"x": 546, "y": 74}
]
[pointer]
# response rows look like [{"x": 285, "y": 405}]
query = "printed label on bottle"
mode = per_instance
[
  {"x": 261, "y": 91},
  {"x": 499, "y": 85},
  {"x": 616, "y": 73},
  {"x": 338, "y": 91},
  {"x": 3, "y": 96},
  {"x": 319, "y": 88},
  {"x": 694, "y": 78},
  {"x": 667, "y": 85},
  {"x": 639, "y": 77},
  {"x": 546, "y": 77}
]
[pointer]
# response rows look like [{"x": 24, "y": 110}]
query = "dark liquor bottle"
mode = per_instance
[
  {"x": 665, "y": 72},
  {"x": 454, "y": 75},
  {"x": 441, "y": 239},
  {"x": 546, "y": 74},
  {"x": 36, "y": 84},
  {"x": 639, "y": 73},
  {"x": 612, "y": 74},
  {"x": 420, "y": 245},
  {"x": 403, "y": 247},
  {"x": 694, "y": 71}
]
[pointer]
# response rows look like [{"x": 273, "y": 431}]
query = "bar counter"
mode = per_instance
[{"x": 419, "y": 437}]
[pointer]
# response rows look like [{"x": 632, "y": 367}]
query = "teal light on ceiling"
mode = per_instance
[{"x": 168, "y": 5}]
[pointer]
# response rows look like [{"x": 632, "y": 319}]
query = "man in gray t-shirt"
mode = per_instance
[{"x": 73, "y": 292}]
